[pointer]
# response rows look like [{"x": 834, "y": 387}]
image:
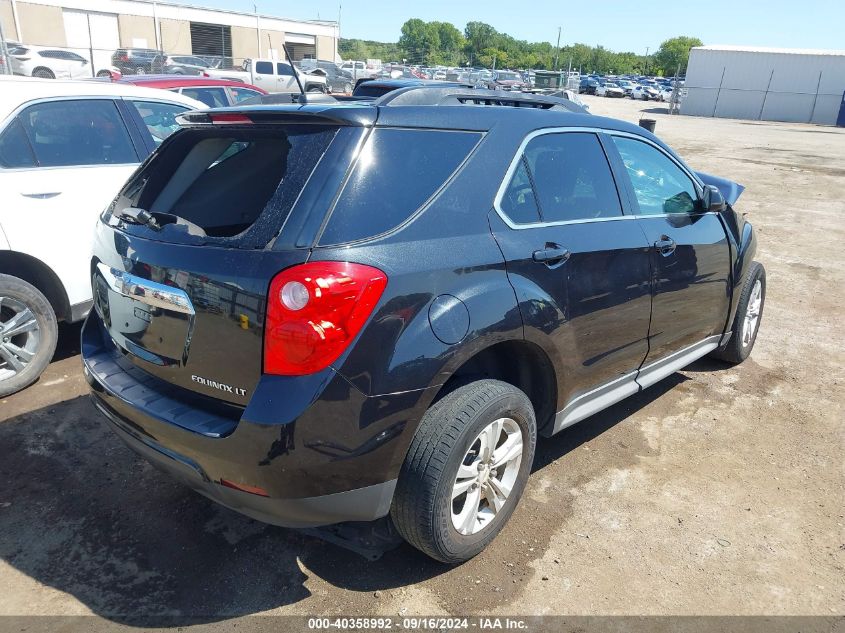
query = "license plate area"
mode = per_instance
[{"x": 151, "y": 321}]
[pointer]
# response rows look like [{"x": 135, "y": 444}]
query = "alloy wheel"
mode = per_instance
[
  {"x": 20, "y": 336},
  {"x": 752, "y": 314},
  {"x": 486, "y": 476}
]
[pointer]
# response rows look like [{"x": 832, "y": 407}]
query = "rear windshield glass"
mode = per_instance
[
  {"x": 397, "y": 172},
  {"x": 222, "y": 185}
]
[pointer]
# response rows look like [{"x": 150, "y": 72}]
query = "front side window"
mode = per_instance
[
  {"x": 78, "y": 132},
  {"x": 284, "y": 69},
  {"x": 571, "y": 180},
  {"x": 397, "y": 172},
  {"x": 264, "y": 68},
  {"x": 159, "y": 118},
  {"x": 660, "y": 186}
]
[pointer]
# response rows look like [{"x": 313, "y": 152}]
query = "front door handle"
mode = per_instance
[
  {"x": 42, "y": 196},
  {"x": 665, "y": 245},
  {"x": 552, "y": 254}
]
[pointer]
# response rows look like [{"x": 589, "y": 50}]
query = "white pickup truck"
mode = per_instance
[
  {"x": 271, "y": 75},
  {"x": 359, "y": 70}
]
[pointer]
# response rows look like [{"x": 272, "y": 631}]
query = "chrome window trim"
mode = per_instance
[{"x": 506, "y": 181}]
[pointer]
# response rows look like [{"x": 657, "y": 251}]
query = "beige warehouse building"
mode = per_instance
[{"x": 96, "y": 28}]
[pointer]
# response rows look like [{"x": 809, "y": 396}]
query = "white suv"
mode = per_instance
[{"x": 66, "y": 148}]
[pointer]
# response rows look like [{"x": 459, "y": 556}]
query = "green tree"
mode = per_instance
[
  {"x": 673, "y": 53},
  {"x": 419, "y": 41}
]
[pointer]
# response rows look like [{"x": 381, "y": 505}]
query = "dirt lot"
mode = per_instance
[{"x": 718, "y": 491}]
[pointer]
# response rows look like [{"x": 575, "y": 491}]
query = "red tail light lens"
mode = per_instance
[{"x": 314, "y": 311}]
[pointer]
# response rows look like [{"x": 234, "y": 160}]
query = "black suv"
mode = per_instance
[{"x": 324, "y": 313}]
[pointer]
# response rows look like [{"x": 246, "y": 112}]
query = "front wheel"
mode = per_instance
[
  {"x": 466, "y": 470},
  {"x": 28, "y": 334},
  {"x": 749, "y": 313}
]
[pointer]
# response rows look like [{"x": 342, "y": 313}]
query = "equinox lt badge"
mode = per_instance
[{"x": 222, "y": 386}]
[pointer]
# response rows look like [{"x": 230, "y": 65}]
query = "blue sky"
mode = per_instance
[{"x": 615, "y": 24}]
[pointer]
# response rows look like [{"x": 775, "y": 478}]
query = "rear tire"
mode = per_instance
[
  {"x": 28, "y": 334},
  {"x": 43, "y": 73},
  {"x": 450, "y": 464},
  {"x": 749, "y": 314}
]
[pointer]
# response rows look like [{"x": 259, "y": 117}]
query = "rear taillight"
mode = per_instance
[
  {"x": 204, "y": 74},
  {"x": 314, "y": 311}
]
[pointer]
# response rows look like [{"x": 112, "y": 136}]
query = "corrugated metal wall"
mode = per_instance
[{"x": 802, "y": 88}]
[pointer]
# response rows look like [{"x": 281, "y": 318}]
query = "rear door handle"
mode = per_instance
[
  {"x": 552, "y": 254},
  {"x": 665, "y": 245}
]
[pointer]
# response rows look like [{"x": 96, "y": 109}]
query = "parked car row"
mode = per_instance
[{"x": 638, "y": 88}]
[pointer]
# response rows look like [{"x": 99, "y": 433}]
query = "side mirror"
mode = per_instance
[{"x": 713, "y": 199}]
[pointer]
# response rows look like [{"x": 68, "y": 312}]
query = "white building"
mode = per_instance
[
  {"x": 96, "y": 28},
  {"x": 770, "y": 84}
]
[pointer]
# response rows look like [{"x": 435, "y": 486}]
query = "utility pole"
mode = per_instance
[
  {"x": 646, "y": 60},
  {"x": 257, "y": 30},
  {"x": 557, "y": 47}
]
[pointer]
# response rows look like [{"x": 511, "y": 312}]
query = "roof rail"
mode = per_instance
[{"x": 423, "y": 95}]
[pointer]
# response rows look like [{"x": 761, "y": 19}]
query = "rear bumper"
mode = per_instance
[
  {"x": 361, "y": 504},
  {"x": 320, "y": 451}
]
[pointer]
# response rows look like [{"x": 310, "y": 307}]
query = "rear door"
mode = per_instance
[
  {"x": 690, "y": 254},
  {"x": 579, "y": 265},
  {"x": 264, "y": 76},
  {"x": 61, "y": 163},
  {"x": 285, "y": 80}
]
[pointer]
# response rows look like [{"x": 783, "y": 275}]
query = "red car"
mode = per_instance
[{"x": 215, "y": 93}]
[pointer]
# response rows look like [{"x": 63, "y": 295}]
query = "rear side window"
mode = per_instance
[
  {"x": 241, "y": 94},
  {"x": 264, "y": 68},
  {"x": 571, "y": 177},
  {"x": 83, "y": 132},
  {"x": 224, "y": 186},
  {"x": 397, "y": 172},
  {"x": 561, "y": 177},
  {"x": 212, "y": 97},
  {"x": 518, "y": 201},
  {"x": 14, "y": 148}
]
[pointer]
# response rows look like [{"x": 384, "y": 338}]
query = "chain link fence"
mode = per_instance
[{"x": 5, "y": 58}]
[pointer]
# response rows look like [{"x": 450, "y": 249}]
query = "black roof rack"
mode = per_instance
[{"x": 421, "y": 95}]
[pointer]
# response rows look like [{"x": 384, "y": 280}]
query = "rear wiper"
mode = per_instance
[{"x": 139, "y": 216}]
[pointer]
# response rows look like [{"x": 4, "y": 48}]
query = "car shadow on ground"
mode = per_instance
[
  {"x": 80, "y": 513},
  {"x": 68, "y": 343}
]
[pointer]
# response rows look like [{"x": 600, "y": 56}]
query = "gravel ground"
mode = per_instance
[{"x": 718, "y": 491}]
